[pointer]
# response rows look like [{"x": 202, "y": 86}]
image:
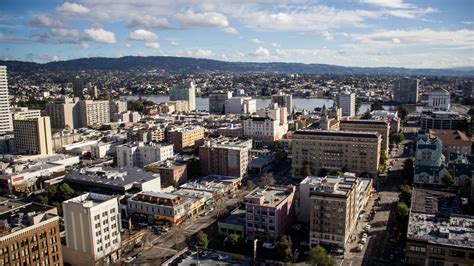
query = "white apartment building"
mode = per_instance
[
  {"x": 439, "y": 99},
  {"x": 33, "y": 136},
  {"x": 140, "y": 154},
  {"x": 241, "y": 105},
  {"x": 94, "y": 112},
  {"x": 185, "y": 92},
  {"x": 5, "y": 116},
  {"x": 269, "y": 125},
  {"x": 346, "y": 100},
  {"x": 283, "y": 100},
  {"x": 92, "y": 226}
]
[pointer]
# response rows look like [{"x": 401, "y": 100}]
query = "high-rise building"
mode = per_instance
[
  {"x": 439, "y": 99},
  {"x": 29, "y": 235},
  {"x": 94, "y": 92},
  {"x": 225, "y": 156},
  {"x": 140, "y": 154},
  {"x": 64, "y": 114},
  {"x": 78, "y": 87},
  {"x": 335, "y": 202},
  {"x": 116, "y": 107},
  {"x": 347, "y": 101},
  {"x": 92, "y": 226},
  {"x": 405, "y": 90},
  {"x": 268, "y": 126},
  {"x": 358, "y": 152},
  {"x": 33, "y": 135},
  {"x": 217, "y": 101},
  {"x": 185, "y": 92},
  {"x": 184, "y": 137},
  {"x": 25, "y": 113},
  {"x": 94, "y": 112},
  {"x": 5, "y": 116},
  {"x": 240, "y": 105},
  {"x": 284, "y": 100}
]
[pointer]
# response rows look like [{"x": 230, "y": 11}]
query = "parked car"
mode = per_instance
[
  {"x": 268, "y": 245},
  {"x": 364, "y": 235},
  {"x": 363, "y": 240},
  {"x": 129, "y": 259},
  {"x": 360, "y": 247},
  {"x": 223, "y": 257}
]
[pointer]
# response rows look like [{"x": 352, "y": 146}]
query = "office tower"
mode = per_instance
[
  {"x": 269, "y": 212},
  {"x": 358, "y": 152},
  {"x": 94, "y": 92},
  {"x": 25, "y": 113},
  {"x": 405, "y": 90},
  {"x": 30, "y": 235},
  {"x": 240, "y": 105},
  {"x": 78, "y": 87},
  {"x": 347, "y": 101},
  {"x": 64, "y": 114},
  {"x": 217, "y": 102},
  {"x": 335, "y": 202},
  {"x": 116, "y": 107},
  {"x": 92, "y": 226},
  {"x": 5, "y": 116},
  {"x": 140, "y": 154},
  {"x": 439, "y": 99},
  {"x": 284, "y": 100},
  {"x": 33, "y": 135},
  {"x": 184, "y": 137},
  {"x": 185, "y": 92},
  {"x": 94, "y": 112},
  {"x": 225, "y": 156}
]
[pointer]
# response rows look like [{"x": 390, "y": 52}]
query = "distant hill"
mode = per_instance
[{"x": 185, "y": 65}]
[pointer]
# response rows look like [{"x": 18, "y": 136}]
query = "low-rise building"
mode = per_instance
[
  {"x": 172, "y": 172},
  {"x": 390, "y": 116},
  {"x": 443, "y": 120},
  {"x": 217, "y": 185},
  {"x": 184, "y": 137},
  {"x": 453, "y": 141},
  {"x": 29, "y": 235},
  {"x": 141, "y": 154},
  {"x": 102, "y": 149},
  {"x": 115, "y": 180},
  {"x": 269, "y": 212},
  {"x": 233, "y": 224},
  {"x": 231, "y": 131},
  {"x": 240, "y": 105}
]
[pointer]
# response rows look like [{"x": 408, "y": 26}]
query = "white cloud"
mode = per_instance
[
  {"x": 395, "y": 40},
  {"x": 256, "y": 41},
  {"x": 149, "y": 21},
  {"x": 174, "y": 43},
  {"x": 230, "y": 30},
  {"x": 55, "y": 58},
  {"x": 83, "y": 45},
  {"x": 72, "y": 8},
  {"x": 203, "y": 53},
  {"x": 327, "y": 35},
  {"x": 261, "y": 53},
  {"x": 274, "y": 44},
  {"x": 100, "y": 35},
  {"x": 143, "y": 35},
  {"x": 128, "y": 45},
  {"x": 46, "y": 21},
  {"x": 388, "y": 3},
  {"x": 65, "y": 32},
  {"x": 206, "y": 19},
  {"x": 467, "y": 22},
  {"x": 152, "y": 45}
]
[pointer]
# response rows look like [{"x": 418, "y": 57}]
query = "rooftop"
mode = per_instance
[
  {"x": 335, "y": 133},
  {"x": 158, "y": 198},
  {"x": 335, "y": 185},
  {"x": 433, "y": 201},
  {"x": 270, "y": 196},
  {"x": 27, "y": 215},
  {"x": 89, "y": 200}
]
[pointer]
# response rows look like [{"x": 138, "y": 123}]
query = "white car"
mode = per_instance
[
  {"x": 367, "y": 227},
  {"x": 268, "y": 245},
  {"x": 363, "y": 240},
  {"x": 129, "y": 259},
  {"x": 364, "y": 235},
  {"x": 360, "y": 247}
]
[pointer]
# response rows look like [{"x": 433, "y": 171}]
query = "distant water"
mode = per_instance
[{"x": 298, "y": 103}]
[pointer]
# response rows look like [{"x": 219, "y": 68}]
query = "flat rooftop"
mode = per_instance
[
  {"x": 433, "y": 202},
  {"x": 335, "y": 185},
  {"x": 24, "y": 216},
  {"x": 337, "y": 133},
  {"x": 7, "y": 204},
  {"x": 272, "y": 196},
  {"x": 90, "y": 199}
]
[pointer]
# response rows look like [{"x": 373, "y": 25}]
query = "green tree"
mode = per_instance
[
  {"x": 377, "y": 105},
  {"x": 397, "y": 137},
  {"x": 58, "y": 206},
  {"x": 41, "y": 199},
  {"x": 323, "y": 172},
  {"x": 284, "y": 248},
  {"x": 366, "y": 116},
  {"x": 232, "y": 240},
  {"x": 447, "y": 179},
  {"x": 66, "y": 191},
  {"x": 319, "y": 256},
  {"x": 402, "y": 113},
  {"x": 202, "y": 240},
  {"x": 52, "y": 191},
  {"x": 336, "y": 173},
  {"x": 383, "y": 157},
  {"x": 405, "y": 194},
  {"x": 408, "y": 169},
  {"x": 306, "y": 170},
  {"x": 401, "y": 212}
]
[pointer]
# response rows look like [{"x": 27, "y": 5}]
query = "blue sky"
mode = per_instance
[{"x": 415, "y": 34}]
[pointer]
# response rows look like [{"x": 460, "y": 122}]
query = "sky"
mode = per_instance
[{"x": 368, "y": 33}]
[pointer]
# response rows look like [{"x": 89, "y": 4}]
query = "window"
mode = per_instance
[
  {"x": 457, "y": 254},
  {"x": 438, "y": 251},
  {"x": 419, "y": 249}
]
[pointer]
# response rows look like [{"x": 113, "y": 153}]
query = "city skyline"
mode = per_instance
[{"x": 373, "y": 33}]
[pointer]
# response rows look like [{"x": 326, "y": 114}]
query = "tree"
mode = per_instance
[
  {"x": 284, "y": 248},
  {"x": 323, "y": 172},
  {"x": 267, "y": 180},
  {"x": 202, "y": 240},
  {"x": 336, "y": 173},
  {"x": 41, "y": 199},
  {"x": 397, "y": 137},
  {"x": 52, "y": 191},
  {"x": 66, "y": 191},
  {"x": 357, "y": 105},
  {"x": 377, "y": 105},
  {"x": 306, "y": 170},
  {"x": 401, "y": 211},
  {"x": 447, "y": 179},
  {"x": 366, "y": 116},
  {"x": 319, "y": 256},
  {"x": 250, "y": 185},
  {"x": 402, "y": 113},
  {"x": 405, "y": 194},
  {"x": 232, "y": 240},
  {"x": 383, "y": 157},
  {"x": 408, "y": 169}
]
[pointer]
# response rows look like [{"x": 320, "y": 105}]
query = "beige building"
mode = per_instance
[
  {"x": 64, "y": 114},
  {"x": 335, "y": 203},
  {"x": 33, "y": 136},
  {"x": 92, "y": 226},
  {"x": 382, "y": 127},
  {"x": 5, "y": 115},
  {"x": 94, "y": 112},
  {"x": 184, "y": 137},
  {"x": 357, "y": 152},
  {"x": 29, "y": 235},
  {"x": 173, "y": 173},
  {"x": 225, "y": 156}
]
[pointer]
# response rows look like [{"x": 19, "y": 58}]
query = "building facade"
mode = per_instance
[
  {"x": 443, "y": 120},
  {"x": 359, "y": 125},
  {"x": 33, "y": 136},
  {"x": 185, "y": 92},
  {"x": 140, "y": 154},
  {"x": 94, "y": 113},
  {"x": 347, "y": 101},
  {"x": 217, "y": 102},
  {"x": 283, "y": 100},
  {"x": 405, "y": 90},
  {"x": 439, "y": 99},
  {"x": 184, "y": 137},
  {"x": 6, "y": 124},
  {"x": 65, "y": 114},
  {"x": 240, "y": 105}
]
